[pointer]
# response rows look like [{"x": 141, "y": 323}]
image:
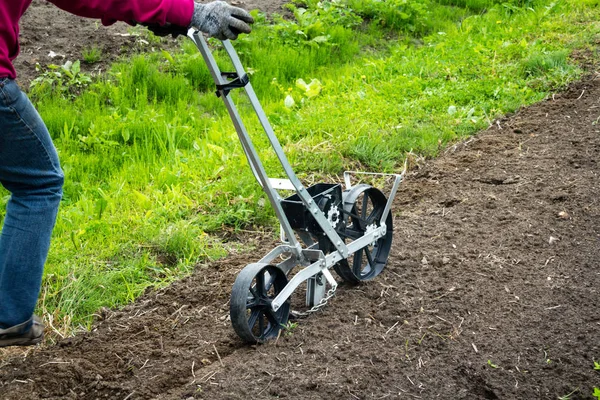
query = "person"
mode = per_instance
[{"x": 29, "y": 165}]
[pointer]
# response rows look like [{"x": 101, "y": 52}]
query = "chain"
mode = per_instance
[{"x": 317, "y": 307}]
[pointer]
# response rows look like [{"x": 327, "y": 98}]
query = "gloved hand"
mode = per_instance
[{"x": 219, "y": 19}]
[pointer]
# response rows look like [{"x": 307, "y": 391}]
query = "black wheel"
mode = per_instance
[
  {"x": 250, "y": 310},
  {"x": 363, "y": 211}
]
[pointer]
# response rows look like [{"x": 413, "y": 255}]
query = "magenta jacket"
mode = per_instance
[{"x": 178, "y": 12}]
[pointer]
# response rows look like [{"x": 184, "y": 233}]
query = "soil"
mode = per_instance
[{"x": 491, "y": 292}]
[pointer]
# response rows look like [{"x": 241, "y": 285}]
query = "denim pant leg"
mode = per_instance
[{"x": 30, "y": 171}]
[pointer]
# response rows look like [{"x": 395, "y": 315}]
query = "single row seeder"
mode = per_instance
[{"x": 322, "y": 226}]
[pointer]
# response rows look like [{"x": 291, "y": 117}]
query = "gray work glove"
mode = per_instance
[{"x": 219, "y": 19}]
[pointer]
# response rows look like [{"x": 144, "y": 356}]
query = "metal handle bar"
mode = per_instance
[{"x": 240, "y": 80}]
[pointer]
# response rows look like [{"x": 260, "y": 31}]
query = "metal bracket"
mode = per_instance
[
  {"x": 235, "y": 83},
  {"x": 315, "y": 290}
]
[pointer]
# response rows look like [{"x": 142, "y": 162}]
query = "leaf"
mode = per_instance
[
  {"x": 168, "y": 56},
  {"x": 100, "y": 207},
  {"x": 320, "y": 39},
  {"x": 216, "y": 149},
  {"x": 289, "y": 101},
  {"x": 142, "y": 200},
  {"x": 67, "y": 73},
  {"x": 310, "y": 90},
  {"x": 301, "y": 84},
  {"x": 596, "y": 393},
  {"x": 314, "y": 88},
  {"x": 216, "y": 174},
  {"x": 76, "y": 67},
  {"x": 125, "y": 134}
]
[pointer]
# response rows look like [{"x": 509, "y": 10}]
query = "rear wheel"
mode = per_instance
[{"x": 363, "y": 212}]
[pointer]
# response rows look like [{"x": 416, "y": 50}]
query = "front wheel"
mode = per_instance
[{"x": 252, "y": 316}]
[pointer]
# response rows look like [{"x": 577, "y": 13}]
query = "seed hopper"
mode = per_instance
[{"x": 323, "y": 226}]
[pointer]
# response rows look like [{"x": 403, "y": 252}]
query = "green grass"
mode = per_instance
[
  {"x": 91, "y": 55},
  {"x": 153, "y": 166}
]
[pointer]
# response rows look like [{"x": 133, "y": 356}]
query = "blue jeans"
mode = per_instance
[{"x": 30, "y": 171}]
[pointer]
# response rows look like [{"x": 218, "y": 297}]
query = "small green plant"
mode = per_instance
[
  {"x": 543, "y": 63},
  {"x": 329, "y": 12},
  {"x": 302, "y": 92},
  {"x": 568, "y": 396},
  {"x": 91, "y": 55},
  {"x": 491, "y": 364},
  {"x": 290, "y": 327},
  {"x": 399, "y": 15},
  {"x": 596, "y": 392},
  {"x": 314, "y": 25},
  {"x": 66, "y": 79}
]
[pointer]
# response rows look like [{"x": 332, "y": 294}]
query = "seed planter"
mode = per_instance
[{"x": 323, "y": 226}]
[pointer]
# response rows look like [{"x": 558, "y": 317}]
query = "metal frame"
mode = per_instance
[{"x": 315, "y": 262}]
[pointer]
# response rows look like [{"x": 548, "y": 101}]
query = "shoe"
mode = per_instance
[{"x": 14, "y": 336}]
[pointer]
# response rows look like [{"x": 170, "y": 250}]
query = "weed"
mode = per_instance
[
  {"x": 313, "y": 23},
  {"x": 290, "y": 327},
  {"x": 400, "y": 15},
  {"x": 568, "y": 396},
  {"x": 491, "y": 364},
  {"x": 596, "y": 392},
  {"x": 91, "y": 55},
  {"x": 67, "y": 79},
  {"x": 552, "y": 64}
]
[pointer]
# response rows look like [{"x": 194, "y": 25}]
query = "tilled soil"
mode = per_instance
[{"x": 491, "y": 292}]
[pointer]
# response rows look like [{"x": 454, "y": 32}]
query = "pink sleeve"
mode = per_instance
[{"x": 177, "y": 12}]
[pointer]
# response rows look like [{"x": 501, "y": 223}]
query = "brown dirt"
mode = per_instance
[{"x": 491, "y": 292}]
